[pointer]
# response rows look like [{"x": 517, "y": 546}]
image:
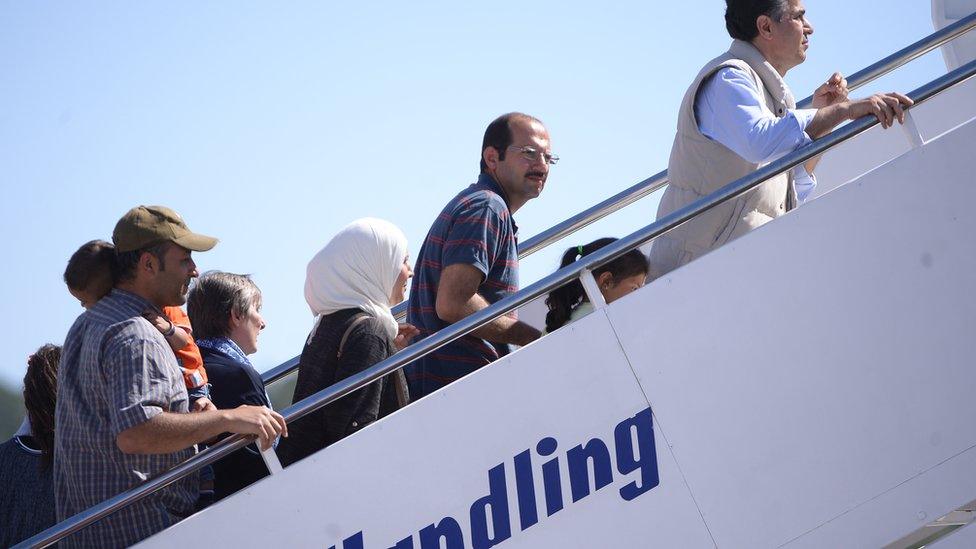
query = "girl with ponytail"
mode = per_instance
[{"x": 615, "y": 279}]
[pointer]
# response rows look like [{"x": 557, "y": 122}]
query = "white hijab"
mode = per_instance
[{"x": 357, "y": 269}]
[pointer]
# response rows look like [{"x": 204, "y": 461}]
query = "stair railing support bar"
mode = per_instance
[{"x": 592, "y": 289}]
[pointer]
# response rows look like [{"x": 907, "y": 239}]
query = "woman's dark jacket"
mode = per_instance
[
  {"x": 368, "y": 343},
  {"x": 234, "y": 383}
]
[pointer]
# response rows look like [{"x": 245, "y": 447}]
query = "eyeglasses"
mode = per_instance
[{"x": 532, "y": 154}]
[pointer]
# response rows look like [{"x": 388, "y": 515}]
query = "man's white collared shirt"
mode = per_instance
[{"x": 729, "y": 110}]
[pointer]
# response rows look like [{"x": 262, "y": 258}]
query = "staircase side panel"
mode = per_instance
[
  {"x": 907, "y": 508},
  {"x": 432, "y": 459},
  {"x": 824, "y": 359}
]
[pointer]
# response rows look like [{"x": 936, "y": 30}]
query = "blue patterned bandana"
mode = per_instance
[{"x": 224, "y": 345}]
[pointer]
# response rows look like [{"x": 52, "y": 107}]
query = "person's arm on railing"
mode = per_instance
[
  {"x": 169, "y": 432},
  {"x": 886, "y": 107},
  {"x": 457, "y": 298}
]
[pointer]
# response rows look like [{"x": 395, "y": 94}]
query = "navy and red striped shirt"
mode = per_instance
[{"x": 475, "y": 228}]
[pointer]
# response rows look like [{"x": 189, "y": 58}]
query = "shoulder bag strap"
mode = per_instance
[{"x": 342, "y": 342}]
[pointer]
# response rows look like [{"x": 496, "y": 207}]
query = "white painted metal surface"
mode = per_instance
[
  {"x": 271, "y": 461},
  {"x": 431, "y": 460},
  {"x": 936, "y": 529},
  {"x": 807, "y": 373},
  {"x": 811, "y": 384},
  {"x": 963, "y": 49}
]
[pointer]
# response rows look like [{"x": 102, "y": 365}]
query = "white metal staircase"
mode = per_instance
[{"x": 810, "y": 384}]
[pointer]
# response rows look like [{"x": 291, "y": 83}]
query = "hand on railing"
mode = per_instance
[
  {"x": 260, "y": 421},
  {"x": 886, "y": 107}
]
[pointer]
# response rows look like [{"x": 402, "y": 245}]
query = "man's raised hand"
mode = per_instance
[{"x": 833, "y": 91}]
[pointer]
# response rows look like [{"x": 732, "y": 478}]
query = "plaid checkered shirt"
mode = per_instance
[{"x": 116, "y": 372}]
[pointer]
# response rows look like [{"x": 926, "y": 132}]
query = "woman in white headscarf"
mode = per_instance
[{"x": 349, "y": 286}]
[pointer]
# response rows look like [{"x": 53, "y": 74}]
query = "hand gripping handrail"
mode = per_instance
[
  {"x": 562, "y": 276},
  {"x": 638, "y": 191}
]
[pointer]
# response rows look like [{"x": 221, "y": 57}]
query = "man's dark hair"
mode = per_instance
[
  {"x": 126, "y": 262},
  {"x": 40, "y": 394},
  {"x": 90, "y": 268},
  {"x": 498, "y": 135},
  {"x": 741, "y": 15}
]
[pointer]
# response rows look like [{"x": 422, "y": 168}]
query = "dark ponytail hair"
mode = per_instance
[
  {"x": 562, "y": 301},
  {"x": 40, "y": 393}
]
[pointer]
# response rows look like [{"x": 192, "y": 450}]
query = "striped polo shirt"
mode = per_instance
[{"x": 475, "y": 228}]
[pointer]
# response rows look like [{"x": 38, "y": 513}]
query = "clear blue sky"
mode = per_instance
[{"x": 272, "y": 125}]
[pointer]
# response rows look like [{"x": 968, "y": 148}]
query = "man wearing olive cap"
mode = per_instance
[{"x": 122, "y": 403}]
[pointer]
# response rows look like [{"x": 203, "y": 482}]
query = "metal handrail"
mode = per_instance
[
  {"x": 463, "y": 327},
  {"x": 280, "y": 371},
  {"x": 638, "y": 191},
  {"x": 905, "y": 55}
]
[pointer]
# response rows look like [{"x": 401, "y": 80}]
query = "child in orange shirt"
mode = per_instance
[{"x": 89, "y": 278}]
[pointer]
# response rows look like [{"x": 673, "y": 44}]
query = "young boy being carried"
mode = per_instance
[{"x": 89, "y": 278}]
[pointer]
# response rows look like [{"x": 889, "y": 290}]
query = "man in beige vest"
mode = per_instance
[{"x": 739, "y": 115}]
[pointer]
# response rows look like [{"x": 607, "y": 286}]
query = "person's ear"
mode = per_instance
[
  {"x": 764, "y": 24},
  {"x": 605, "y": 280},
  {"x": 490, "y": 156},
  {"x": 233, "y": 319},
  {"x": 148, "y": 262}
]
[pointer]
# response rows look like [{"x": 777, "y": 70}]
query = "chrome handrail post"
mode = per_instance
[{"x": 592, "y": 289}]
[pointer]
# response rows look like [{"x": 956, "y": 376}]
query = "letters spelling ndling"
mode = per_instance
[{"x": 633, "y": 440}]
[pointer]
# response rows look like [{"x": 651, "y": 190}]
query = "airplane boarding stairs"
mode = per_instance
[{"x": 810, "y": 384}]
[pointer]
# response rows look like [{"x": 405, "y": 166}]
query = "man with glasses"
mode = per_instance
[
  {"x": 469, "y": 259},
  {"x": 739, "y": 115}
]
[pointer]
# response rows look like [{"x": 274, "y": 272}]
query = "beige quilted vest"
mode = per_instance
[{"x": 700, "y": 166}]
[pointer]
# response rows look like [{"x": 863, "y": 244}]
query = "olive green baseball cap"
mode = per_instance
[{"x": 147, "y": 225}]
